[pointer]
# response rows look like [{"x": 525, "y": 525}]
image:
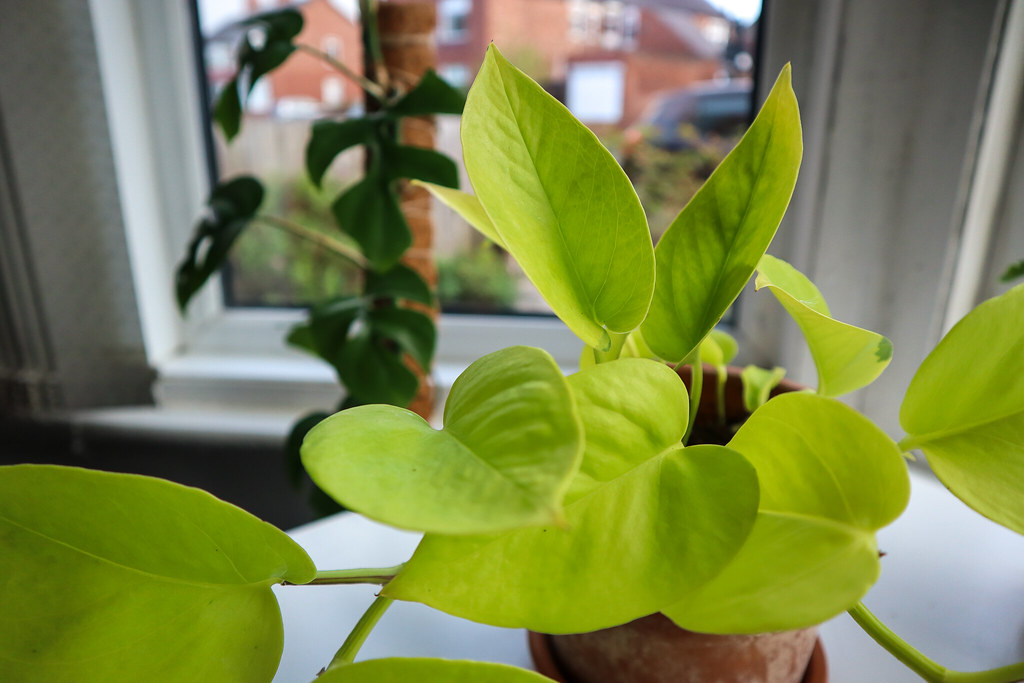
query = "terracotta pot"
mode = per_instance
[{"x": 653, "y": 649}]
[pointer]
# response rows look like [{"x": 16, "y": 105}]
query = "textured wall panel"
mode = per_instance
[{"x": 62, "y": 172}]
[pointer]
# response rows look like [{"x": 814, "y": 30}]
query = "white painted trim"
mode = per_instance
[{"x": 1002, "y": 119}]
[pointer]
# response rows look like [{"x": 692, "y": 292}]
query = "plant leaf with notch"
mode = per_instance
[
  {"x": 232, "y": 205},
  {"x": 829, "y": 480},
  {"x": 432, "y": 95},
  {"x": 511, "y": 441},
  {"x": 369, "y": 212},
  {"x": 467, "y": 206},
  {"x": 328, "y": 139},
  {"x": 117, "y": 577},
  {"x": 847, "y": 357},
  {"x": 708, "y": 254},
  {"x": 372, "y": 370},
  {"x": 422, "y": 670},
  {"x": 965, "y": 409},
  {"x": 550, "y": 187},
  {"x": 412, "y": 331},
  {"x": 401, "y": 282},
  {"x": 326, "y": 329}
]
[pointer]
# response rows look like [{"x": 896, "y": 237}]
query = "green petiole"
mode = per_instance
[{"x": 924, "y": 667}]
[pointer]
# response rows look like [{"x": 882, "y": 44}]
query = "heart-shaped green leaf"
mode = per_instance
[
  {"x": 411, "y": 331},
  {"x": 965, "y": 409},
  {"x": 467, "y": 206},
  {"x": 829, "y": 480},
  {"x": 116, "y": 577},
  {"x": 847, "y": 357},
  {"x": 373, "y": 371},
  {"x": 432, "y": 95},
  {"x": 621, "y": 431},
  {"x": 402, "y": 670},
  {"x": 328, "y": 139},
  {"x": 632, "y": 545},
  {"x": 511, "y": 442},
  {"x": 560, "y": 202},
  {"x": 710, "y": 251}
]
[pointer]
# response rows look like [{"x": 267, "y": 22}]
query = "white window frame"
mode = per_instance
[
  {"x": 234, "y": 359},
  {"x": 218, "y": 358}
]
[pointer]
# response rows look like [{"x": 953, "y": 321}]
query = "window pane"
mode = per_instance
[{"x": 665, "y": 84}]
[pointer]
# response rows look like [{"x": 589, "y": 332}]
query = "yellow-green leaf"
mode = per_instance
[
  {"x": 510, "y": 444},
  {"x": 647, "y": 520},
  {"x": 710, "y": 251},
  {"x": 847, "y": 357},
  {"x": 829, "y": 480},
  {"x": 559, "y": 201},
  {"x": 467, "y": 206},
  {"x": 965, "y": 409},
  {"x": 115, "y": 577},
  {"x": 423, "y": 670}
]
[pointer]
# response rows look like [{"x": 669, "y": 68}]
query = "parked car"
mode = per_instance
[{"x": 675, "y": 117}]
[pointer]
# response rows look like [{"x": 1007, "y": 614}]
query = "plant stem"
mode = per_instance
[
  {"x": 922, "y": 665},
  {"x": 350, "y": 648},
  {"x": 696, "y": 386},
  {"x": 335, "y": 577},
  {"x": 325, "y": 241},
  {"x": 721, "y": 375},
  {"x": 374, "y": 55},
  {"x": 360, "y": 80}
]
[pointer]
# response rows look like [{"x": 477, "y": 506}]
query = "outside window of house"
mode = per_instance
[
  {"x": 668, "y": 134},
  {"x": 453, "y": 20}
]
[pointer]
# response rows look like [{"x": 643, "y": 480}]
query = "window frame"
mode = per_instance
[{"x": 214, "y": 356}]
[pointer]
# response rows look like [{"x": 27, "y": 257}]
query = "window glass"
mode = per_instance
[{"x": 665, "y": 84}]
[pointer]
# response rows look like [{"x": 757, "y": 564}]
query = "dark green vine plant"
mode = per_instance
[{"x": 373, "y": 338}]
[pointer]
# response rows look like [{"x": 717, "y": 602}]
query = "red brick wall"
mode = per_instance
[{"x": 302, "y": 74}]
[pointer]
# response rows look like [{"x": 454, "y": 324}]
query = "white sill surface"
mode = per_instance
[{"x": 951, "y": 585}]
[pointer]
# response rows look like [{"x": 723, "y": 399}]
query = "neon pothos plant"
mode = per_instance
[
  {"x": 370, "y": 337},
  {"x": 562, "y": 504}
]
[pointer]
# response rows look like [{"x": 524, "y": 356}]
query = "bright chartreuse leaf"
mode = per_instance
[
  {"x": 422, "y": 670},
  {"x": 621, "y": 431},
  {"x": 758, "y": 384},
  {"x": 560, "y": 202},
  {"x": 710, "y": 251},
  {"x": 631, "y": 545},
  {"x": 847, "y": 357},
  {"x": 467, "y": 206},
  {"x": 116, "y": 577},
  {"x": 965, "y": 409},
  {"x": 636, "y": 347},
  {"x": 829, "y": 480},
  {"x": 510, "y": 444}
]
